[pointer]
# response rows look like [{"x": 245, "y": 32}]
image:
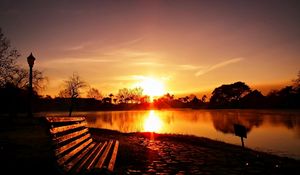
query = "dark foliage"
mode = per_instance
[
  {"x": 229, "y": 95},
  {"x": 239, "y": 95}
]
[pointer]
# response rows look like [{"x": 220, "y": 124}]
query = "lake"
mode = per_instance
[{"x": 273, "y": 131}]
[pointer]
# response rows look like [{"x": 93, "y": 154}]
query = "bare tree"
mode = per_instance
[
  {"x": 94, "y": 93},
  {"x": 123, "y": 94},
  {"x": 136, "y": 94},
  {"x": 8, "y": 58},
  {"x": 11, "y": 73},
  {"x": 20, "y": 79},
  {"x": 72, "y": 89},
  {"x": 130, "y": 95}
]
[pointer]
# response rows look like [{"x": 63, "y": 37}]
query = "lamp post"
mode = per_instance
[{"x": 30, "y": 61}]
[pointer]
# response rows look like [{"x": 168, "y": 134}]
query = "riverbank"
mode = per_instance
[
  {"x": 22, "y": 150},
  {"x": 150, "y": 153}
]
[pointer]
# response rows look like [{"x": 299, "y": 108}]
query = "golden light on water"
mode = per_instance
[{"x": 152, "y": 123}]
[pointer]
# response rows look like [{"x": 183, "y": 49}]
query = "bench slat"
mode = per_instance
[
  {"x": 96, "y": 156},
  {"x": 104, "y": 155},
  {"x": 88, "y": 157},
  {"x": 64, "y": 119},
  {"x": 113, "y": 157},
  {"x": 75, "y": 149},
  {"x": 56, "y": 130},
  {"x": 71, "y": 164},
  {"x": 68, "y": 146},
  {"x": 66, "y": 157},
  {"x": 63, "y": 138}
]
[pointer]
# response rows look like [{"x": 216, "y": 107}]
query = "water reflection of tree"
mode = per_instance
[
  {"x": 107, "y": 118},
  {"x": 124, "y": 121},
  {"x": 224, "y": 121}
]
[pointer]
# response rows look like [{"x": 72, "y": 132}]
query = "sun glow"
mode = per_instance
[
  {"x": 152, "y": 87},
  {"x": 152, "y": 123}
]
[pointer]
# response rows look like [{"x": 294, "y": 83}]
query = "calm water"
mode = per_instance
[{"x": 268, "y": 130}]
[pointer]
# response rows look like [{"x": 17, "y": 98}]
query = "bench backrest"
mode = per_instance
[{"x": 70, "y": 138}]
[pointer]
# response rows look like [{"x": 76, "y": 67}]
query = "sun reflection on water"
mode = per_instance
[
  {"x": 267, "y": 129},
  {"x": 152, "y": 122}
]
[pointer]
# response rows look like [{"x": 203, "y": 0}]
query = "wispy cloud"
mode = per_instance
[
  {"x": 88, "y": 46},
  {"x": 141, "y": 78},
  {"x": 148, "y": 63},
  {"x": 132, "y": 42},
  {"x": 188, "y": 67},
  {"x": 73, "y": 48},
  {"x": 81, "y": 60},
  {"x": 130, "y": 78},
  {"x": 219, "y": 65},
  {"x": 80, "y": 46},
  {"x": 128, "y": 53},
  {"x": 123, "y": 44}
]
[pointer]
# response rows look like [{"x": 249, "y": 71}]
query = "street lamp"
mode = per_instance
[{"x": 30, "y": 61}]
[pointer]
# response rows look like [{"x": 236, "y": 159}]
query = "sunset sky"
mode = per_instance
[{"x": 188, "y": 46}]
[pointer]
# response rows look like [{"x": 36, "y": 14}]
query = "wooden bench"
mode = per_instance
[{"x": 75, "y": 151}]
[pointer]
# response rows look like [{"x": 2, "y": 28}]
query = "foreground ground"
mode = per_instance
[
  {"x": 148, "y": 153},
  {"x": 143, "y": 153}
]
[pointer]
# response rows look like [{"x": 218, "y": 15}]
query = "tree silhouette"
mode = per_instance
[
  {"x": 254, "y": 99},
  {"x": 123, "y": 95},
  {"x": 8, "y": 58},
  {"x": 203, "y": 99},
  {"x": 72, "y": 89},
  {"x": 284, "y": 98},
  {"x": 134, "y": 95},
  {"x": 111, "y": 95},
  {"x": 13, "y": 75},
  {"x": 297, "y": 83},
  {"x": 196, "y": 103},
  {"x": 287, "y": 97},
  {"x": 21, "y": 79},
  {"x": 121, "y": 98},
  {"x": 94, "y": 93},
  {"x": 14, "y": 80},
  {"x": 229, "y": 95}
]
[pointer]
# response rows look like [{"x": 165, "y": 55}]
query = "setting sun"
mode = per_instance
[
  {"x": 152, "y": 123},
  {"x": 152, "y": 87}
]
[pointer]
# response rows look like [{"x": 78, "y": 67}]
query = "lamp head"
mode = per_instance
[{"x": 30, "y": 60}]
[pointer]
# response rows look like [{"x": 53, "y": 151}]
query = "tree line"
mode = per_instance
[{"x": 235, "y": 95}]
